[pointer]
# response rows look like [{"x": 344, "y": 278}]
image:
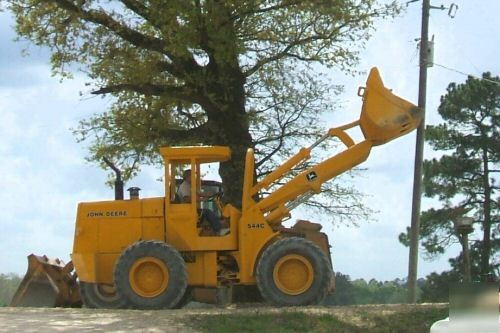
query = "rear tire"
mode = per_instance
[
  {"x": 293, "y": 271},
  {"x": 186, "y": 298},
  {"x": 151, "y": 275},
  {"x": 101, "y": 296}
]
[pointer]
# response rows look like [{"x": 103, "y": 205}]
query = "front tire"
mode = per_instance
[
  {"x": 293, "y": 271},
  {"x": 101, "y": 296},
  {"x": 151, "y": 275}
]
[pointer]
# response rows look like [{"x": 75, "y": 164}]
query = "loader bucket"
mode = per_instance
[
  {"x": 384, "y": 115},
  {"x": 48, "y": 283}
]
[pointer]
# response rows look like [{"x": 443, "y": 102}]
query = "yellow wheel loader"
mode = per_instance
[{"x": 154, "y": 253}]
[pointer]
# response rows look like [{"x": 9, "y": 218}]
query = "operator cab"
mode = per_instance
[{"x": 190, "y": 217}]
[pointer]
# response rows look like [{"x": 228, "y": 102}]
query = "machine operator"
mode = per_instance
[{"x": 184, "y": 193}]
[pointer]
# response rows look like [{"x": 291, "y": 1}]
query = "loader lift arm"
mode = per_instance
[{"x": 384, "y": 117}]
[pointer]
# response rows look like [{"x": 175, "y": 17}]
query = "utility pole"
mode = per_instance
[
  {"x": 419, "y": 146},
  {"x": 419, "y": 153}
]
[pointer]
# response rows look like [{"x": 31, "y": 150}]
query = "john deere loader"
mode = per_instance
[{"x": 155, "y": 253}]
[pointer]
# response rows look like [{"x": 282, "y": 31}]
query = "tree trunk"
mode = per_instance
[
  {"x": 229, "y": 126},
  {"x": 233, "y": 131},
  {"x": 486, "y": 249},
  {"x": 223, "y": 85}
]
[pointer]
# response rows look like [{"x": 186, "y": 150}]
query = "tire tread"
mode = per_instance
[
  {"x": 177, "y": 273},
  {"x": 289, "y": 245}
]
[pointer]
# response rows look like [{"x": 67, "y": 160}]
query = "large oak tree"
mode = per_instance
[{"x": 241, "y": 73}]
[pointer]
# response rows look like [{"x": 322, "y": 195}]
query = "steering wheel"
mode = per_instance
[{"x": 216, "y": 195}]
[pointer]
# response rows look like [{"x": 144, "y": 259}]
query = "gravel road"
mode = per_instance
[
  {"x": 167, "y": 321},
  {"x": 90, "y": 320}
]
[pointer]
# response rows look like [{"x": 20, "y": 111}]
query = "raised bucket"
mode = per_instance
[{"x": 385, "y": 116}]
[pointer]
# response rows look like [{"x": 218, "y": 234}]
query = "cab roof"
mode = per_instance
[{"x": 202, "y": 154}]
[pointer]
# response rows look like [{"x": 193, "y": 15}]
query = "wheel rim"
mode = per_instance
[
  {"x": 293, "y": 274},
  {"x": 105, "y": 292},
  {"x": 148, "y": 277}
]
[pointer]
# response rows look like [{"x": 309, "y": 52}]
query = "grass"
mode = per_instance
[{"x": 356, "y": 319}]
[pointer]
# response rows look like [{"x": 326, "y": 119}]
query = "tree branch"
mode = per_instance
[
  {"x": 187, "y": 63},
  {"x": 143, "y": 11},
  {"x": 180, "y": 92},
  {"x": 299, "y": 42},
  {"x": 138, "y": 7},
  {"x": 282, "y": 5},
  {"x": 99, "y": 17},
  {"x": 173, "y": 135}
]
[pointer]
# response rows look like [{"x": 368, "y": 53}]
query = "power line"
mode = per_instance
[{"x": 466, "y": 74}]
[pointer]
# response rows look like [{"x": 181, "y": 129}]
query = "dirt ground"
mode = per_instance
[
  {"x": 90, "y": 320},
  {"x": 168, "y": 321}
]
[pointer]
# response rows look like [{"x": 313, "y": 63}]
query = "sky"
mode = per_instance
[{"x": 44, "y": 175}]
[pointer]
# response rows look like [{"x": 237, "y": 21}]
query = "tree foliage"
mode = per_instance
[
  {"x": 241, "y": 73},
  {"x": 8, "y": 286},
  {"x": 437, "y": 285},
  {"x": 350, "y": 292},
  {"x": 465, "y": 178}
]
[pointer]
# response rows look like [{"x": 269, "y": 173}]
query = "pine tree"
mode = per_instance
[{"x": 465, "y": 178}]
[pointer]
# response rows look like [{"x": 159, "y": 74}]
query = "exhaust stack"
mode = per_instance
[
  {"x": 134, "y": 193},
  {"x": 118, "y": 180}
]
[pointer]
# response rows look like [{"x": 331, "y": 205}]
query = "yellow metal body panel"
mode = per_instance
[
  {"x": 203, "y": 154},
  {"x": 86, "y": 233},
  {"x": 152, "y": 207},
  {"x": 104, "y": 229},
  {"x": 203, "y": 272},
  {"x": 183, "y": 234},
  {"x": 105, "y": 264},
  {"x": 85, "y": 265},
  {"x": 254, "y": 234},
  {"x": 115, "y": 236},
  {"x": 153, "y": 228}
]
